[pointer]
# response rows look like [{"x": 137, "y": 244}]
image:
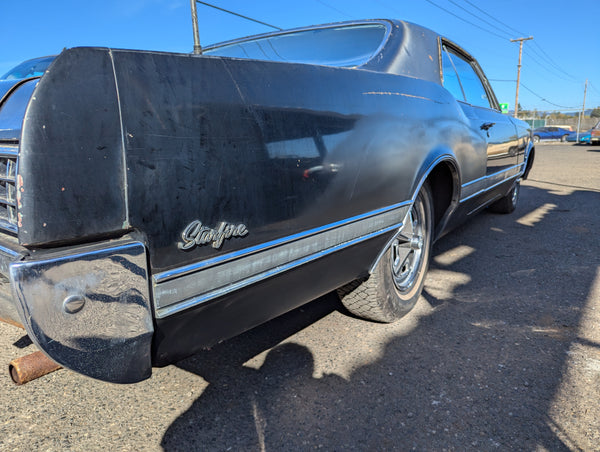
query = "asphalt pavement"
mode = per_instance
[{"x": 502, "y": 352}]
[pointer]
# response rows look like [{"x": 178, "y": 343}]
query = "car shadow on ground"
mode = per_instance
[{"x": 479, "y": 371}]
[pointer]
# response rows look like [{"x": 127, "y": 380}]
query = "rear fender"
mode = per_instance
[{"x": 444, "y": 178}]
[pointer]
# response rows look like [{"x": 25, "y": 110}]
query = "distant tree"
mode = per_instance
[
  {"x": 595, "y": 113},
  {"x": 523, "y": 113}
]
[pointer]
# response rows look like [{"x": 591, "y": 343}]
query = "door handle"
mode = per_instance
[{"x": 487, "y": 125}]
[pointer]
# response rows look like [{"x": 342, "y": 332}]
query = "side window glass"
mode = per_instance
[
  {"x": 451, "y": 82},
  {"x": 471, "y": 83}
]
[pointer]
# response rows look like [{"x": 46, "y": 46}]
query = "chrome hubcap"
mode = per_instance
[
  {"x": 407, "y": 250},
  {"x": 515, "y": 194}
]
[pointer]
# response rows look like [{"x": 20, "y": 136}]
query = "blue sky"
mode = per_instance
[{"x": 563, "y": 54}]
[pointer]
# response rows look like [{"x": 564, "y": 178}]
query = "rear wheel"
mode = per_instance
[
  {"x": 536, "y": 139},
  {"x": 397, "y": 281},
  {"x": 564, "y": 138},
  {"x": 508, "y": 203}
]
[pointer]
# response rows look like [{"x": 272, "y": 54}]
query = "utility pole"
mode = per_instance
[
  {"x": 582, "y": 109},
  {"x": 197, "y": 47},
  {"x": 520, "y": 40}
]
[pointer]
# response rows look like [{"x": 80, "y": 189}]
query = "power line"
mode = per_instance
[
  {"x": 239, "y": 15},
  {"x": 335, "y": 9},
  {"x": 551, "y": 61},
  {"x": 495, "y": 18},
  {"x": 545, "y": 67},
  {"x": 545, "y": 55},
  {"x": 593, "y": 87},
  {"x": 551, "y": 67},
  {"x": 479, "y": 18},
  {"x": 547, "y": 58},
  {"x": 465, "y": 20},
  {"x": 547, "y": 101}
]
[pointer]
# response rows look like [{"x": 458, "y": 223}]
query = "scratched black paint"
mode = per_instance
[{"x": 118, "y": 141}]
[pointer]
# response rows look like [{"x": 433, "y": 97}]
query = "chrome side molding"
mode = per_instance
[{"x": 180, "y": 289}]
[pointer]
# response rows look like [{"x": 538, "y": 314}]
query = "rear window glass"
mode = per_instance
[
  {"x": 29, "y": 68},
  {"x": 347, "y": 46}
]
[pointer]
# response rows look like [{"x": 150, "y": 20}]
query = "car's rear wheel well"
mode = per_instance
[
  {"x": 530, "y": 159},
  {"x": 443, "y": 181}
]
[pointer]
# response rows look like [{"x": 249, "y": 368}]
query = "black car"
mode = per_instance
[{"x": 154, "y": 203}]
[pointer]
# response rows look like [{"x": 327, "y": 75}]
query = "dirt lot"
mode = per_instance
[{"x": 502, "y": 352}]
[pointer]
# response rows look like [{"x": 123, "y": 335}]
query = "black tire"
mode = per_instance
[
  {"x": 508, "y": 203},
  {"x": 395, "y": 285},
  {"x": 536, "y": 139}
]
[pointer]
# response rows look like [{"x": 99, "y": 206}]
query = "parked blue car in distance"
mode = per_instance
[
  {"x": 584, "y": 137},
  {"x": 550, "y": 133}
]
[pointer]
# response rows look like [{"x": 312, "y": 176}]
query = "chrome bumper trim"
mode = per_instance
[
  {"x": 12, "y": 254},
  {"x": 8, "y": 310},
  {"x": 89, "y": 310}
]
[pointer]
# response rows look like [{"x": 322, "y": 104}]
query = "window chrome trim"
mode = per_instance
[{"x": 352, "y": 23}]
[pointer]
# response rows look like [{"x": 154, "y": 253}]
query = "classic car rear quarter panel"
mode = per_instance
[
  {"x": 71, "y": 181},
  {"x": 201, "y": 147},
  {"x": 313, "y": 167}
]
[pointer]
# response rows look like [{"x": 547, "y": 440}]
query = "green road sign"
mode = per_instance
[{"x": 504, "y": 108}]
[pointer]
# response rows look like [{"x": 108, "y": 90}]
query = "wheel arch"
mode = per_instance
[
  {"x": 443, "y": 177},
  {"x": 444, "y": 181},
  {"x": 529, "y": 158}
]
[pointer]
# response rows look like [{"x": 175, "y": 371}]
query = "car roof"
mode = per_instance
[{"x": 402, "y": 41}]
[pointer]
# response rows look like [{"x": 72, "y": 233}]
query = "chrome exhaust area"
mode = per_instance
[{"x": 30, "y": 367}]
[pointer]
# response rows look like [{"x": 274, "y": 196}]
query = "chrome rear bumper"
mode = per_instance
[
  {"x": 9, "y": 252},
  {"x": 88, "y": 308}
]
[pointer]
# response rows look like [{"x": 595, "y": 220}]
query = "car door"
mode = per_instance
[
  {"x": 542, "y": 132},
  {"x": 465, "y": 80}
]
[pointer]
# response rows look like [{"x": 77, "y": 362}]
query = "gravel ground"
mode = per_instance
[{"x": 502, "y": 352}]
